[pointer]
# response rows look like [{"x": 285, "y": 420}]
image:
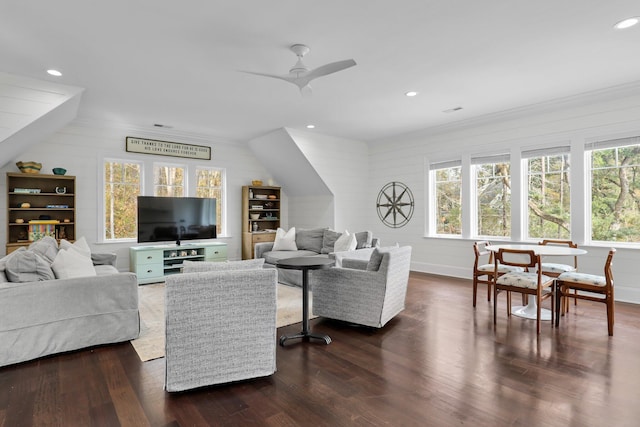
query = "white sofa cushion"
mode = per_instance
[
  {"x": 70, "y": 263},
  {"x": 346, "y": 242},
  {"x": 285, "y": 240}
]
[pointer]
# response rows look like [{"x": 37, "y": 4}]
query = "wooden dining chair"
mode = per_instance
[
  {"x": 585, "y": 286},
  {"x": 531, "y": 281},
  {"x": 484, "y": 272},
  {"x": 556, "y": 269}
]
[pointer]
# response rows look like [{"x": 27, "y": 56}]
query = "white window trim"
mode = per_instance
[
  {"x": 474, "y": 162},
  {"x": 101, "y": 229},
  {"x": 223, "y": 191},
  {"x": 430, "y": 197},
  {"x": 185, "y": 184}
]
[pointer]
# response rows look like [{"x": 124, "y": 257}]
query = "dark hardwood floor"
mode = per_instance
[{"x": 439, "y": 363}]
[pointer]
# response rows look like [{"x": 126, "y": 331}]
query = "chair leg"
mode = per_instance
[
  {"x": 558, "y": 298},
  {"x": 475, "y": 289},
  {"x": 508, "y": 303},
  {"x": 539, "y": 312},
  {"x": 495, "y": 303},
  {"x": 610, "y": 316},
  {"x": 489, "y": 289}
]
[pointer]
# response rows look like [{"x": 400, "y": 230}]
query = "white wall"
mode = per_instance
[
  {"x": 342, "y": 164},
  {"x": 575, "y": 120},
  {"x": 324, "y": 177},
  {"x": 80, "y": 148}
]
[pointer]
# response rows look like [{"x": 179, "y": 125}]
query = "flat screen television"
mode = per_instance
[{"x": 168, "y": 219}]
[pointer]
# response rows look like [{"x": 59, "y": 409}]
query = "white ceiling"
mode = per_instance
[{"x": 177, "y": 63}]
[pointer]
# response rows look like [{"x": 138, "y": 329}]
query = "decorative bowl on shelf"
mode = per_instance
[
  {"x": 59, "y": 171},
  {"x": 254, "y": 215},
  {"x": 272, "y": 196},
  {"x": 256, "y": 182},
  {"x": 29, "y": 167},
  {"x": 261, "y": 196}
]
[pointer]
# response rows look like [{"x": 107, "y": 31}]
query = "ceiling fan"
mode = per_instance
[{"x": 301, "y": 76}]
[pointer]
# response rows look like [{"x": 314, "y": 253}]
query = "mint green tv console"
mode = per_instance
[{"x": 152, "y": 263}]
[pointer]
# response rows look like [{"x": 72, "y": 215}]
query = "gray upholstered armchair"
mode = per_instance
[
  {"x": 220, "y": 326},
  {"x": 368, "y": 293}
]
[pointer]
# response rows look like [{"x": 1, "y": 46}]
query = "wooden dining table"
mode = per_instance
[{"x": 530, "y": 310}]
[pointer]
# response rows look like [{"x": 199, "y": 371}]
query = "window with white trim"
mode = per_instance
[
  {"x": 122, "y": 185},
  {"x": 493, "y": 195},
  {"x": 168, "y": 180},
  {"x": 615, "y": 189},
  {"x": 548, "y": 188},
  {"x": 210, "y": 184},
  {"x": 447, "y": 181}
]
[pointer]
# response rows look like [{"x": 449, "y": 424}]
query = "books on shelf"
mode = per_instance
[
  {"x": 27, "y": 190},
  {"x": 38, "y": 230}
]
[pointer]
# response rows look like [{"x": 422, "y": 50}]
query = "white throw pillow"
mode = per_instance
[
  {"x": 79, "y": 245},
  {"x": 285, "y": 240},
  {"x": 346, "y": 242},
  {"x": 71, "y": 263}
]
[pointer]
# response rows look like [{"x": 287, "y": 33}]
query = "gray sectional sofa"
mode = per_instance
[
  {"x": 42, "y": 315},
  {"x": 316, "y": 242}
]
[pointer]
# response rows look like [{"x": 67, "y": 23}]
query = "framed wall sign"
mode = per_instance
[{"x": 166, "y": 148}]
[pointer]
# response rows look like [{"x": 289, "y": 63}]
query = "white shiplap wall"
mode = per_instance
[
  {"x": 81, "y": 147},
  {"x": 576, "y": 120},
  {"x": 343, "y": 166}
]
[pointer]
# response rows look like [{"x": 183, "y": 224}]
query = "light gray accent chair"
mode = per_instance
[
  {"x": 220, "y": 325},
  {"x": 365, "y": 292}
]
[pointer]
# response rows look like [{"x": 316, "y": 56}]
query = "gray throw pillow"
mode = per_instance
[
  {"x": 47, "y": 248},
  {"x": 376, "y": 256},
  {"x": 203, "y": 266},
  {"x": 375, "y": 260},
  {"x": 28, "y": 266},
  {"x": 363, "y": 239},
  {"x": 310, "y": 240},
  {"x": 329, "y": 238}
]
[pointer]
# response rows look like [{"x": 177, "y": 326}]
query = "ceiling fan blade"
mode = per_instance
[
  {"x": 306, "y": 91},
  {"x": 331, "y": 68},
  {"x": 274, "y": 76}
]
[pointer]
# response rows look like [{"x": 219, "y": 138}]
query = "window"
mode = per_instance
[
  {"x": 493, "y": 195},
  {"x": 210, "y": 183},
  {"x": 168, "y": 180},
  {"x": 448, "y": 197},
  {"x": 122, "y": 186},
  {"x": 548, "y": 201},
  {"x": 615, "y": 190}
]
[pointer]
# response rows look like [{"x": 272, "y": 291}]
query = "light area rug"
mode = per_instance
[{"x": 150, "y": 344}]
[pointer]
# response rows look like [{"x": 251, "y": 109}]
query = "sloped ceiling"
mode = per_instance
[
  {"x": 31, "y": 110},
  {"x": 288, "y": 165},
  {"x": 179, "y": 63}
]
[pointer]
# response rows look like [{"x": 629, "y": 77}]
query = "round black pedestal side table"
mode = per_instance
[{"x": 305, "y": 264}]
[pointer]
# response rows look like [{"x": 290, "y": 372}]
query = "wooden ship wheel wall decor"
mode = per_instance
[{"x": 395, "y": 204}]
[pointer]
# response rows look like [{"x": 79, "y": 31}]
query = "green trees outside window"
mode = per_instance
[
  {"x": 209, "y": 183},
  {"x": 122, "y": 185},
  {"x": 448, "y": 187},
  {"x": 168, "y": 181},
  {"x": 615, "y": 194},
  {"x": 549, "y": 197},
  {"x": 493, "y": 192}
]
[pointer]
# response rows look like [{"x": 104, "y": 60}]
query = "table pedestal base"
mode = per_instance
[
  {"x": 305, "y": 336},
  {"x": 305, "y": 264},
  {"x": 530, "y": 311}
]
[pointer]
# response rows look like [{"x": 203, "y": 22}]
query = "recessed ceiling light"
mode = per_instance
[
  {"x": 311, "y": 126},
  {"x": 626, "y": 23},
  {"x": 54, "y": 73},
  {"x": 411, "y": 93}
]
